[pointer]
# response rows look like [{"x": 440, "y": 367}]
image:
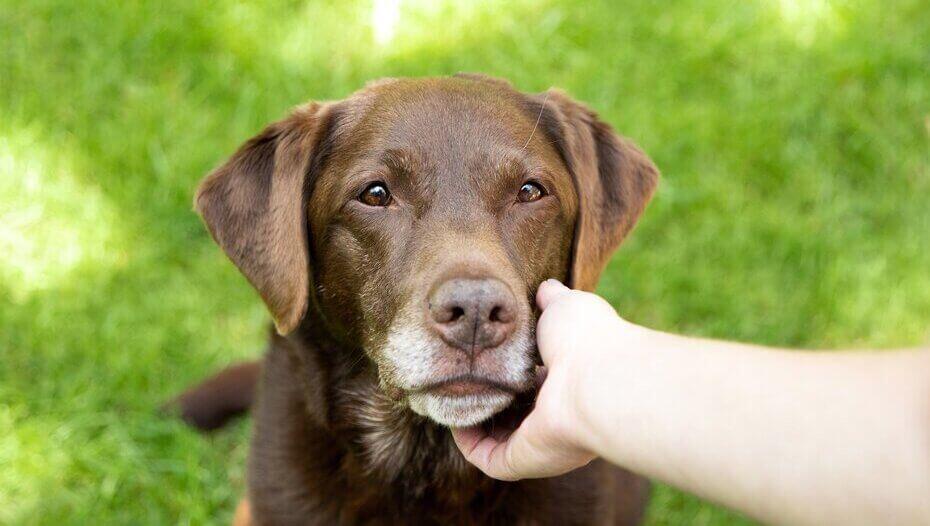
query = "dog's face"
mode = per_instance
[
  {"x": 418, "y": 217},
  {"x": 433, "y": 222}
]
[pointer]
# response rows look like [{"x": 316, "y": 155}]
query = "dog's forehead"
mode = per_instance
[{"x": 441, "y": 117}]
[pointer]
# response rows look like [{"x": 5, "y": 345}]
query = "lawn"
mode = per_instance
[{"x": 793, "y": 137}]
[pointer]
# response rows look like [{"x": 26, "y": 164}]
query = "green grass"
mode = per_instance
[{"x": 794, "y": 138}]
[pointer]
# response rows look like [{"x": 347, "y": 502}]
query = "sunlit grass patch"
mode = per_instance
[
  {"x": 345, "y": 38},
  {"x": 50, "y": 222},
  {"x": 807, "y": 20}
]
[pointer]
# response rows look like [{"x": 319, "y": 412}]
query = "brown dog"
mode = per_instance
[{"x": 398, "y": 237}]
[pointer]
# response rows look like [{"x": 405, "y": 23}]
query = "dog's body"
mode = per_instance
[{"x": 402, "y": 313}]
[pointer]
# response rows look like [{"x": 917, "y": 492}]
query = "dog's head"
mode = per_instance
[{"x": 417, "y": 218}]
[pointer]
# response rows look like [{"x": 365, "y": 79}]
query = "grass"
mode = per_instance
[{"x": 794, "y": 138}]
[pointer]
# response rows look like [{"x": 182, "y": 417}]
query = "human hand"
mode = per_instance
[{"x": 574, "y": 332}]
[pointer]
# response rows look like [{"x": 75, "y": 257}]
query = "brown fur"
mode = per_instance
[{"x": 335, "y": 441}]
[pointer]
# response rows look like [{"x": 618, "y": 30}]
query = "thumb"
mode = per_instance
[
  {"x": 502, "y": 458},
  {"x": 549, "y": 291}
]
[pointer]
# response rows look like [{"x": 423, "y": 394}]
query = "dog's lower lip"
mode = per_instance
[{"x": 465, "y": 387}]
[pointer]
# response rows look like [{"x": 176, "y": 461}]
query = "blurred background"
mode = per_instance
[{"x": 793, "y": 136}]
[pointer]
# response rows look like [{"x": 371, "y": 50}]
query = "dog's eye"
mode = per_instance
[
  {"x": 530, "y": 192},
  {"x": 376, "y": 194}
]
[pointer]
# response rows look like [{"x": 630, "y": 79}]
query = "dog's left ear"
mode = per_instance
[
  {"x": 255, "y": 208},
  {"x": 613, "y": 178}
]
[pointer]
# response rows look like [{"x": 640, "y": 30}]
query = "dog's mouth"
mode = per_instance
[
  {"x": 466, "y": 385},
  {"x": 463, "y": 400}
]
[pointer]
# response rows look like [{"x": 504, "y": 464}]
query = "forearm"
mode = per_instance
[{"x": 787, "y": 437}]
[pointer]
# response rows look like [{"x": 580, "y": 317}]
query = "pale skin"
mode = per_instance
[{"x": 784, "y": 436}]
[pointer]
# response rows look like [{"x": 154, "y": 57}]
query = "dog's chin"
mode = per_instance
[{"x": 460, "y": 411}]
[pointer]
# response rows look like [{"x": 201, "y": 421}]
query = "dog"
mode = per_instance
[{"x": 397, "y": 238}]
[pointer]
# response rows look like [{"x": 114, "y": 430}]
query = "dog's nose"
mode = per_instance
[{"x": 473, "y": 314}]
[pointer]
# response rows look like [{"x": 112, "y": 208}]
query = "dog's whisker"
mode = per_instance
[{"x": 538, "y": 118}]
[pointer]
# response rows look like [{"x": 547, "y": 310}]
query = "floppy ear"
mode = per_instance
[
  {"x": 254, "y": 207},
  {"x": 613, "y": 178}
]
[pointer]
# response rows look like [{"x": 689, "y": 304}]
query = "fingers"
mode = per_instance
[{"x": 549, "y": 291}]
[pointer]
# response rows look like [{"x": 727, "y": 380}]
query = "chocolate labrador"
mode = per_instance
[{"x": 398, "y": 237}]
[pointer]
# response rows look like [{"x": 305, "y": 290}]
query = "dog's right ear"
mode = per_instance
[{"x": 255, "y": 208}]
